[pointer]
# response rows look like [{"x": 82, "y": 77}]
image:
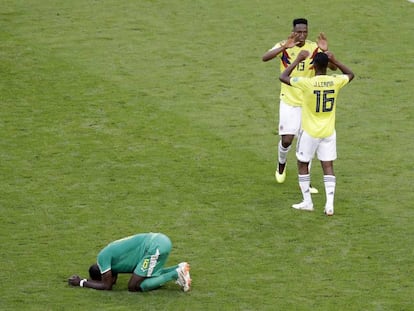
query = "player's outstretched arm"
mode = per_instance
[
  {"x": 105, "y": 284},
  {"x": 285, "y": 75},
  {"x": 345, "y": 70},
  {"x": 291, "y": 41}
]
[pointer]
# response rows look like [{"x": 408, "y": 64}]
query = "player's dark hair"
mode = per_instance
[
  {"x": 95, "y": 273},
  {"x": 321, "y": 60},
  {"x": 297, "y": 21}
]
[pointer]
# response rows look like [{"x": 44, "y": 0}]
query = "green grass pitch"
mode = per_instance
[{"x": 120, "y": 117}]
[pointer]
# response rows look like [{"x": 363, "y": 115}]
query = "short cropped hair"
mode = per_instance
[
  {"x": 300, "y": 21},
  {"x": 321, "y": 60},
  {"x": 95, "y": 273}
]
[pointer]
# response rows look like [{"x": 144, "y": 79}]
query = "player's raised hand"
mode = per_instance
[
  {"x": 292, "y": 40},
  {"x": 322, "y": 42}
]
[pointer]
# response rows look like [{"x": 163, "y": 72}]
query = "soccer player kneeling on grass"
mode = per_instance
[
  {"x": 317, "y": 134},
  {"x": 143, "y": 255}
]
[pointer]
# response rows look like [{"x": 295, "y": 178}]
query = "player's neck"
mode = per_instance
[{"x": 320, "y": 72}]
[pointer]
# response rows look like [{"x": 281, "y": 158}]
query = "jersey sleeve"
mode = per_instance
[
  {"x": 104, "y": 261},
  {"x": 297, "y": 82},
  {"x": 341, "y": 80}
]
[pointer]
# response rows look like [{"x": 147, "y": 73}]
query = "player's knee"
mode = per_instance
[{"x": 287, "y": 141}]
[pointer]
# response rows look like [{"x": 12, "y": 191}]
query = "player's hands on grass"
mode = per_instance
[
  {"x": 74, "y": 280},
  {"x": 322, "y": 42}
]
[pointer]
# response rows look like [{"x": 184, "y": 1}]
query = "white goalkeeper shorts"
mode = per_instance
[{"x": 307, "y": 146}]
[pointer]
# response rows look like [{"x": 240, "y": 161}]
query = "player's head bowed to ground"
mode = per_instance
[{"x": 143, "y": 255}]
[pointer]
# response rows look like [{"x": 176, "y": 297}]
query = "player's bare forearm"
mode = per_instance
[
  {"x": 100, "y": 285},
  {"x": 285, "y": 75},
  {"x": 272, "y": 53},
  {"x": 291, "y": 41},
  {"x": 344, "y": 69},
  {"x": 105, "y": 284},
  {"x": 332, "y": 66}
]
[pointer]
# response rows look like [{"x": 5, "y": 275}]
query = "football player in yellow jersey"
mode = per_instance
[
  {"x": 318, "y": 134},
  {"x": 291, "y": 98}
]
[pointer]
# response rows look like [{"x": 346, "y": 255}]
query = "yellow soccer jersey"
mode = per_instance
[
  {"x": 319, "y": 102},
  {"x": 288, "y": 94}
]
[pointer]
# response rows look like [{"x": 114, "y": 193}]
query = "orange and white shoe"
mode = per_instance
[{"x": 184, "y": 279}]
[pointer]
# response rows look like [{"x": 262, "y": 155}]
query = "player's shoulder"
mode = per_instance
[{"x": 340, "y": 76}]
